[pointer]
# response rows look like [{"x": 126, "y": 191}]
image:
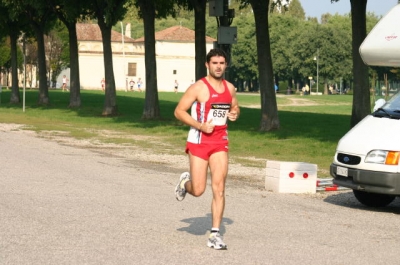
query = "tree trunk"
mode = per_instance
[
  {"x": 361, "y": 92},
  {"x": 200, "y": 37},
  {"x": 75, "y": 85},
  {"x": 110, "y": 101},
  {"x": 151, "y": 108},
  {"x": 15, "y": 98},
  {"x": 43, "y": 88},
  {"x": 269, "y": 109}
]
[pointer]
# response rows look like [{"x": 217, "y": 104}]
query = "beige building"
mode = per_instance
[{"x": 175, "y": 55}]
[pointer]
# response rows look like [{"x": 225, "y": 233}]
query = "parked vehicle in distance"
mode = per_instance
[{"x": 367, "y": 157}]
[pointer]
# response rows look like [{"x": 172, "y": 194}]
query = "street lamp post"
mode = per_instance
[
  {"x": 123, "y": 56},
  {"x": 24, "y": 88},
  {"x": 316, "y": 58}
]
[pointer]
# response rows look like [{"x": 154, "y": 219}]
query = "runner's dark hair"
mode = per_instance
[{"x": 216, "y": 52}]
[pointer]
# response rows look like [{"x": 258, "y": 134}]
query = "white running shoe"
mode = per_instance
[
  {"x": 180, "y": 191},
  {"x": 215, "y": 242}
]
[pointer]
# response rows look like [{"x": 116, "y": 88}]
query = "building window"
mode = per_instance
[
  {"x": 174, "y": 72},
  {"x": 131, "y": 69}
]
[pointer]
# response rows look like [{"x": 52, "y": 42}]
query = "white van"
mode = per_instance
[{"x": 367, "y": 157}]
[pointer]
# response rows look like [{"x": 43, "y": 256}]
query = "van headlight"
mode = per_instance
[{"x": 383, "y": 157}]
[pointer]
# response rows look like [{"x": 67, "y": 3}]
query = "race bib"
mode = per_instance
[{"x": 218, "y": 113}]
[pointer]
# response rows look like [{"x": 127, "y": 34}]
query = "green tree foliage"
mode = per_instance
[
  {"x": 57, "y": 51},
  {"x": 304, "y": 49},
  {"x": 244, "y": 53},
  {"x": 5, "y": 60},
  {"x": 361, "y": 99},
  {"x": 296, "y": 10},
  {"x": 294, "y": 47},
  {"x": 283, "y": 40},
  {"x": 5, "y": 52},
  {"x": 335, "y": 49},
  {"x": 331, "y": 42}
]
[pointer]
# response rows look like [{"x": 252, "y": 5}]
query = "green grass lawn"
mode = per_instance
[{"x": 310, "y": 125}]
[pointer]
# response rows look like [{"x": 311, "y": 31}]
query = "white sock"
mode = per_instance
[{"x": 214, "y": 230}]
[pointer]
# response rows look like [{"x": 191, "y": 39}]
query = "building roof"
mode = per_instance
[
  {"x": 176, "y": 33},
  {"x": 91, "y": 32}
]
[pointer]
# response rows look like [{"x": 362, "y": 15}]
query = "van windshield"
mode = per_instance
[
  {"x": 393, "y": 103},
  {"x": 391, "y": 109}
]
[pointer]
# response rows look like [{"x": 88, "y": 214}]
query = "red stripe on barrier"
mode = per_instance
[{"x": 333, "y": 188}]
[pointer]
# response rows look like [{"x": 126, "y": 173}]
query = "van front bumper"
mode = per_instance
[{"x": 369, "y": 181}]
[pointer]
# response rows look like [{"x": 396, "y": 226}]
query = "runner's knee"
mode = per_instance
[
  {"x": 197, "y": 192},
  {"x": 218, "y": 189}
]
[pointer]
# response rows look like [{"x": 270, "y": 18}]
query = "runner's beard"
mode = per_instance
[{"x": 217, "y": 77}]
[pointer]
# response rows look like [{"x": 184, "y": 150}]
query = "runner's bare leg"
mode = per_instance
[{"x": 219, "y": 170}]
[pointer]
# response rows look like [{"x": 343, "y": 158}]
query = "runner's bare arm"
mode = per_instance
[
  {"x": 185, "y": 103},
  {"x": 234, "y": 110}
]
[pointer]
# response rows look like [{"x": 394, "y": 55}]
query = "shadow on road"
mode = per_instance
[
  {"x": 347, "y": 199},
  {"x": 202, "y": 225}
]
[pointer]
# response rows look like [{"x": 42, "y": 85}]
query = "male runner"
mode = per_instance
[{"x": 212, "y": 101}]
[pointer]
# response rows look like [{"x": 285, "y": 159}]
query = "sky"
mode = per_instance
[{"x": 315, "y": 8}]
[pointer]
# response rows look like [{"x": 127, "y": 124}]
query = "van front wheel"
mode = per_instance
[{"x": 373, "y": 199}]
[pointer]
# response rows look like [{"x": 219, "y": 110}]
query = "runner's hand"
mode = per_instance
[
  {"x": 232, "y": 116},
  {"x": 208, "y": 127}
]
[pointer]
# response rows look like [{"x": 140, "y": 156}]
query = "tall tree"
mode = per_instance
[
  {"x": 361, "y": 94},
  {"x": 11, "y": 24},
  {"x": 69, "y": 11},
  {"x": 107, "y": 14},
  {"x": 41, "y": 19},
  {"x": 14, "y": 34},
  {"x": 269, "y": 109},
  {"x": 151, "y": 106},
  {"x": 200, "y": 36},
  {"x": 149, "y": 10}
]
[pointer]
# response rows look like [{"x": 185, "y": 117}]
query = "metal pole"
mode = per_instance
[
  {"x": 23, "y": 94},
  {"x": 123, "y": 53},
  {"x": 317, "y": 69}
]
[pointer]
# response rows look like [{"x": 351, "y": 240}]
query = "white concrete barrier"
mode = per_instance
[{"x": 290, "y": 177}]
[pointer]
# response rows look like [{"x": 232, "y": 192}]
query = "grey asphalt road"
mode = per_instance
[{"x": 68, "y": 205}]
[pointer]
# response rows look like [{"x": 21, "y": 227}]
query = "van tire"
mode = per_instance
[{"x": 373, "y": 199}]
